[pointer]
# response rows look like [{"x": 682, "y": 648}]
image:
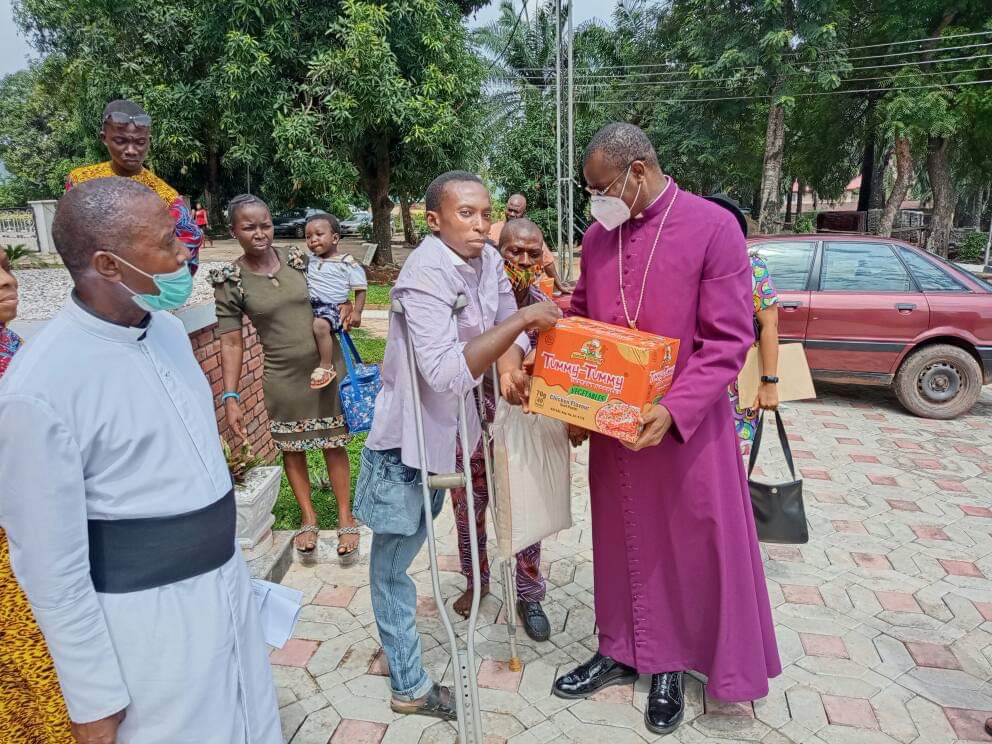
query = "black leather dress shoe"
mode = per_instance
[
  {"x": 536, "y": 623},
  {"x": 599, "y": 672},
  {"x": 666, "y": 703}
]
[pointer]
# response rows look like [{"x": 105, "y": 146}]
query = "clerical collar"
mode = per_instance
[
  {"x": 660, "y": 203},
  {"x": 102, "y": 326}
]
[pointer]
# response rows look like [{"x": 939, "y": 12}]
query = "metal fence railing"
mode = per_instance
[
  {"x": 18, "y": 226},
  {"x": 17, "y": 223}
]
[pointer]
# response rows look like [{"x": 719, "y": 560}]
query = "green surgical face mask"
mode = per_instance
[{"x": 174, "y": 288}]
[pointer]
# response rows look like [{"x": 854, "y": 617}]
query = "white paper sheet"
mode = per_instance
[{"x": 278, "y": 607}]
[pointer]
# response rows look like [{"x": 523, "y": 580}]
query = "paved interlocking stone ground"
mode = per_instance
[{"x": 884, "y": 619}]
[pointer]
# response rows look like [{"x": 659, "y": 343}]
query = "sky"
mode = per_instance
[
  {"x": 584, "y": 10},
  {"x": 14, "y": 49}
]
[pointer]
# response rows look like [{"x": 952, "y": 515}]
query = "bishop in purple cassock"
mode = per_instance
[{"x": 679, "y": 583}]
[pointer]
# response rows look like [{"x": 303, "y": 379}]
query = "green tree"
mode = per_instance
[
  {"x": 38, "y": 142},
  {"x": 923, "y": 113},
  {"x": 390, "y": 90},
  {"x": 521, "y": 111},
  {"x": 772, "y": 49},
  {"x": 213, "y": 76}
]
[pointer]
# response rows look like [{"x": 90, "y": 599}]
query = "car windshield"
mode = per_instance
[{"x": 293, "y": 214}]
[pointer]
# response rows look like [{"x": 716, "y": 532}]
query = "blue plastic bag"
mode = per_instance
[{"x": 359, "y": 389}]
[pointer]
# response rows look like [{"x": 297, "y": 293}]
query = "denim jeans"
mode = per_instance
[{"x": 389, "y": 499}]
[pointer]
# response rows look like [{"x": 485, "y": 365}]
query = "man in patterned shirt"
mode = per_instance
[{"x": 126, "y": 133}]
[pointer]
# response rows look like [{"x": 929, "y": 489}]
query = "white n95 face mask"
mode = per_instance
[{"x": 612, "y": 211}]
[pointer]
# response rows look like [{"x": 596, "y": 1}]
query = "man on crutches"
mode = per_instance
[{"x": 452, "y": 347}]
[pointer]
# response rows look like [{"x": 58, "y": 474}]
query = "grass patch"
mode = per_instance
[
  {"x": 286, "y": 510},
  {"x": 378, "y": 294},
  {"x": 370, "y": 348}
]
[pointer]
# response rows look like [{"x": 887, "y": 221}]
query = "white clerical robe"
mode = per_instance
[{"x": 103, "y": 421}]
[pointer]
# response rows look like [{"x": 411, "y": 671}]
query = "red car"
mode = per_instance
[{"x": 877, "y": 311}]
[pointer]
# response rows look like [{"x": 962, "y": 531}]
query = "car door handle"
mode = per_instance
[
  {"x": 791, "y": 305},
  {"x": 905, "y": 307}
]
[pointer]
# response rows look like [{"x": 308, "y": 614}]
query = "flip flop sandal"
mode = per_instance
[
  {"x": 349, "y": 556},
  {"x": 321, "y": 378},
  {"x": 302, "y": 531},
  {"x": 439, "y": 703}
]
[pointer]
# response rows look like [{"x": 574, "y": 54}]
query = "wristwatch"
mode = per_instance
[{"x": 769, "y": 378}]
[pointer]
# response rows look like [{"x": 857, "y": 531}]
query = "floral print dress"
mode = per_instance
[{"x": 765, "y": 296}]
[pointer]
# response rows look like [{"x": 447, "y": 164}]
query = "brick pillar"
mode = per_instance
[{"x": 206, "y": 348}]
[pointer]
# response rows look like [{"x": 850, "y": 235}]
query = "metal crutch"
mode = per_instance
[
  {"x": 506, "y": 567},
  {"x": 466, "y": 682}
]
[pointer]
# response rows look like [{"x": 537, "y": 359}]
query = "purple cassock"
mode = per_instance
[{"x": 679, "y": 580}]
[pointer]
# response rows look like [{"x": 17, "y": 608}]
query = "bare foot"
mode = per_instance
[{"x": 463, "y": 605}]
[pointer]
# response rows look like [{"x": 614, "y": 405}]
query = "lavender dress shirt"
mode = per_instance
[{"x": 428, "y": 285}]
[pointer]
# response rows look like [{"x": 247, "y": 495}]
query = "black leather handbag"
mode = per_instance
[{"x": 779, "y": 514}]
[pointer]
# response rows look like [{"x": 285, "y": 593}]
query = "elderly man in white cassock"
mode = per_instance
[{"x": 117, "y": 499}]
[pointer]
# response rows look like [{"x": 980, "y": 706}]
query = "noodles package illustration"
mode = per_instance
[{"x": 599, "y": 376}]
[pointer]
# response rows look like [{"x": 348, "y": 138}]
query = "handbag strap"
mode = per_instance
[
  {"x": 351, "y": 356},
  {"x": 782, "y": 438}
]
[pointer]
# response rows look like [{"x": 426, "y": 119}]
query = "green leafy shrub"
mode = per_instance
[
  {"x": 972, "y": 249},
  {"x": 16, "y": 252},
  {"x": 805, "y": 223},
  {"x": 420, "y": 225}
]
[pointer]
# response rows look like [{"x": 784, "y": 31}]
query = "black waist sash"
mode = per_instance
[{"x": 130, "y": 555}]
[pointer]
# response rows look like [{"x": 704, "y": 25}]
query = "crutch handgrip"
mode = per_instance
[{"x": 446, "y": 482}]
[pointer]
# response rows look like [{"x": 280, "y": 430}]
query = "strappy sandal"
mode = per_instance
[
  {"x": 302, "y": 531},
  {"x": 321, "y": 378},
  {"x": 439, "y": 703},
  {"x": 348, "y": 556}
]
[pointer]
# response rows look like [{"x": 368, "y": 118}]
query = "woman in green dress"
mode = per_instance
[{"x": 268, "y": 285}]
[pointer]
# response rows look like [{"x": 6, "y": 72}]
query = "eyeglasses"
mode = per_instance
[
  {"x": 602, "y": 192},
  {"x": 119, "y": 117}
]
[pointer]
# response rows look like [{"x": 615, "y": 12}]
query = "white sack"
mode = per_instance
[{"x": 532, "y": 479}]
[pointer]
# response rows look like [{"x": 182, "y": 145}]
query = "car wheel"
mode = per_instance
[
  {"x": 300, "y": 232},
  {"x": 939, "y": 382}
]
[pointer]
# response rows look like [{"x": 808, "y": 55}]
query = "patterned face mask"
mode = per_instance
[{"x": 520, "y": 277}]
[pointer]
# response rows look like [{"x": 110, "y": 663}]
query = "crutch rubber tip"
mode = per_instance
[{"x": 515, "y": 665}]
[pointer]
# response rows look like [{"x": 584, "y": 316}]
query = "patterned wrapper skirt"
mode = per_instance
[{"x": 31, "y": 707}]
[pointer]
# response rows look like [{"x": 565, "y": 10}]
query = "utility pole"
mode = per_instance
[
  {"x": 565, "y": 137},
  {"x": 566, "y": 256},
  {"x": 558, "y": 131}
]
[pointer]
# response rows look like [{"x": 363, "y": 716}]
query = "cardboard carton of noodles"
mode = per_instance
[{"x": 600, "y": 376}]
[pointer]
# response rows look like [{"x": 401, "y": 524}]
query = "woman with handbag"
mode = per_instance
[
  {"x": 268, "y": 286},
  {"x": 746, "y": 413}
]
